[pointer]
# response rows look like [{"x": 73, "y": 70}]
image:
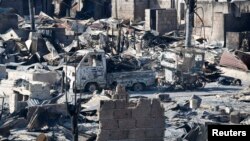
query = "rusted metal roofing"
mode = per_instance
[{"x": 230, "y": 60}]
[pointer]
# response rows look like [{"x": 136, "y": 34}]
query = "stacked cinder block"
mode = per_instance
[
  {"x": 160, "y": 4},
  {"x": 166, "y": 20},
  {"x": 123, "y": 9},
  {"x": 17, "y": 102},
  {"x": 120, "y": 93},
  {"x": 18, "y": 98},
  {"x": 140, "y": 6},
  {"x": 119, "y": 121},
  {"x": 6, "y": 87},
  {"x": 134, "y": 9}
]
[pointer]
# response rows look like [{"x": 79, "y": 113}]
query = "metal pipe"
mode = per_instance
[
  {"x": 1, "y": 114},
  {"x": 75, "y": 113}
]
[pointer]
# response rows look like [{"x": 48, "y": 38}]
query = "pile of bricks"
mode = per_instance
[{"x": 120, "y": 121}]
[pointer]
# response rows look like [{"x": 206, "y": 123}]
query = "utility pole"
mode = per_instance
[
  {"x": 77, "y": 104},
  {"x": 118, "y": 49},
  {"x": 31, "y": 11},
  {"x": 189, "y": 22}
]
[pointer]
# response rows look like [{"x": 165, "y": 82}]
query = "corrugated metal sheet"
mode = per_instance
[
  {"x": 230, "y": 60},
  {"x": 33, "y": 102}
]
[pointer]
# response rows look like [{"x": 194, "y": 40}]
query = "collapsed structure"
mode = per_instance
[{"x": 121, "y": 119}]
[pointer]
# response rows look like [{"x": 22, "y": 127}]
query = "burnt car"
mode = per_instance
[{"x": 227, "y": 80}]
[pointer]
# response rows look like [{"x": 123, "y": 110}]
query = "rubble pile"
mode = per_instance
[{"x": 186, "y": 122}]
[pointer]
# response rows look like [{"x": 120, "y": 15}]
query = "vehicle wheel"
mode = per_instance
[
  {"x": 138, "y": 87},
  {"x": 200, "y": 83},
  {"x": 237, "y": 82},
  {"x": 91, "y": 87}
]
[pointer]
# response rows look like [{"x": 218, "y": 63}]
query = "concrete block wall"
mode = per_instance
[
  {"x": 17, "y": 102},
  {"x": 147, "y": 19},
  {"x": 6, "y": 87},
  {"x": 123, "y": 9},
  {"x": 205, "y": 13},
  {"x": 120, "y": 121},
  {"x": 135, "y": 9},
  {"x": 140, "y": 6},
  {"x": 120, "y": 93},
  {"x": 12, "y": 102},
  {"x": 233, "y": 40},
  {"x": 39, "y": 90},
  {"x": 48, "y": 77},
  {"x": 209, "y": 14},
  {"x": 156, "y": 4},
  {"x": 218, "y": 27},
  {"x": 166, "y": 20}
]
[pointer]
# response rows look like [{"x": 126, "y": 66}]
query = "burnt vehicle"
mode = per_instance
[
  {"x": 88, "y": 71},
  {"x": 182, "y": 69},
  {"x": 227, "y": 80}
]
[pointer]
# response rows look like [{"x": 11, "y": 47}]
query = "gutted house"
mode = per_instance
[
  {"x": 135, "y": 9},
  {"x": 159, "y": 15},
  {"x": 223, "y": 20},
  {"x": 83, "y": 9}
]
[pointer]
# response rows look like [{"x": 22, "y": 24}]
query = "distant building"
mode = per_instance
[
  {"x": 160, "y": 15},
  {"x": 83, "y": 8},
  {"x": 135, "y": 9},
  {"x": 223, "y": 20},
  {"x": 22, "y": 6}
]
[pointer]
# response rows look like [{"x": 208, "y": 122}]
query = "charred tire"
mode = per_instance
[
  {"x": 137, "y": 87},
  {"x": 91, "y": 87},
  {"x": 237, "y": 82}
]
